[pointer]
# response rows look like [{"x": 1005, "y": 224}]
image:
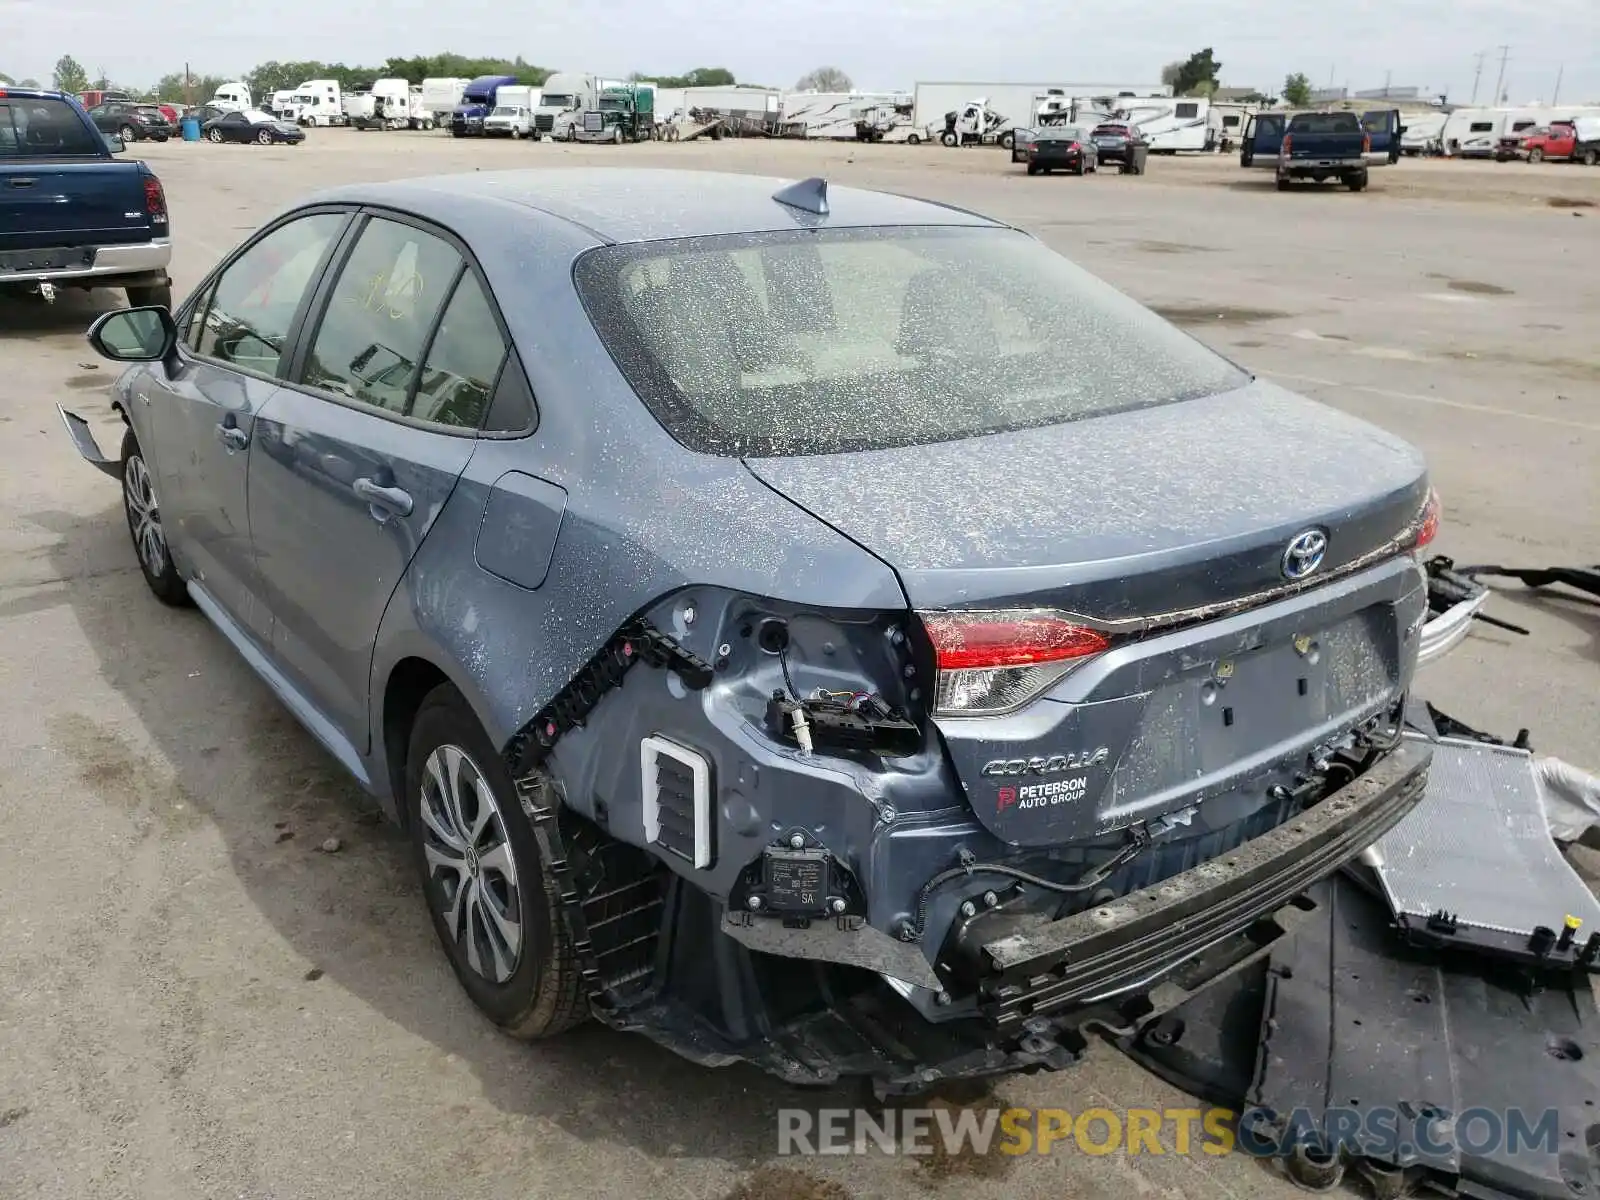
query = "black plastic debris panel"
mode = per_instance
[{"x": 1463, "y": 1073}]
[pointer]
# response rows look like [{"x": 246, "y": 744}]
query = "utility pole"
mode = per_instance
[
  {"x": 1555, "y": 97},
  {"x": 1476, "y": 75},
  {"x": 1388, "y": 78},
  {"x": 1499, "y": 83}
]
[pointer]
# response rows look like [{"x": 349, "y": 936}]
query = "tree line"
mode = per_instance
[{"x": 269, "y": 77}]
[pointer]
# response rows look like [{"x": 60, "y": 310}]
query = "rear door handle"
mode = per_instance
[
  {"x": 388, "y": 499},
  {"x": 21, "y": 183},
  {"x": 232, "y": 437}
]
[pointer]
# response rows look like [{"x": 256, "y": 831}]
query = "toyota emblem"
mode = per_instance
[{"x": 1305, "y": 553}]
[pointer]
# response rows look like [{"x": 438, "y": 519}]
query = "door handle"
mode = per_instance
[
  {"x": 23, "y": 183},
  {"x": 232, "y": 437},
  {"x": 389, "y": 499}
]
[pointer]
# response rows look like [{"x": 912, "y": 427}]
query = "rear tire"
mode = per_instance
[
  {"x": 1283, "y": 183},
  {"x": 143, "y": 512},
  {"x": 501, "y": 882},
  {"x": 1590, "y": 157},
  {"x": 151, "y": 296},
  {"x": 1007, "y": 140},
  {"x": 913, "y": 140},
  {"x": 1356, "y": 182},
  {"x": 215, "y": 136},
  {"x": 1033, "y": 168},
  {"x": 128, "y": 133}
]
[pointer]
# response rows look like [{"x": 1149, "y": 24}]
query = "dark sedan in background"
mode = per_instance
[
  {"x": 131, "y": 121},
  {"x": 1061, "y": 148},
  {"x": 252, "y": 125}
]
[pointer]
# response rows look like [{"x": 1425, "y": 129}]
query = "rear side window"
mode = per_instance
[
  {"x": 1340, "y": 122},
  {"x": 463, "y": 363},
  {"x": 1185, "y": 111},
  {"x": 811, "y": 343},
  {"x": 45, "y": 128},
  {"x": 379, "y": 314},
  {"x": 247, "y": 321}
]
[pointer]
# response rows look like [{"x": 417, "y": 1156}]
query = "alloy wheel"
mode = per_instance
[
  {"x": 472, "y": 874},
  {"x": 144, "y": 515}
]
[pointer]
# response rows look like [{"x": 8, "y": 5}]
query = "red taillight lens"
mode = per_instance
[
  {"x": 1366, "y": 144},
  {"x": 1288, "y": 143},
  {"x": 994, "y": 661},
  {"x": 1427, "y": 526},
  {"x": 155, "y": 200}
]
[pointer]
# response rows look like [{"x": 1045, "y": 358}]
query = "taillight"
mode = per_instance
[
  {"x": 1288, "y": 143},
  {"x": 1366, "y": 144},
  {"x": 155, "y": 200},
  {"x": 1074, "y": 146},
  {"x": 1426, "y": 526},
  {"x": 992, "y": 661}
]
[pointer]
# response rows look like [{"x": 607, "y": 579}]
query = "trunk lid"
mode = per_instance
[
  {"x": 1122, "y": 517},
  {"x": 1180, "y": 515}
]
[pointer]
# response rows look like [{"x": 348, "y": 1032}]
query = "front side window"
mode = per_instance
[
  {"x": 373, "y": 332},
  {"x": 811, "y": 343},
  {"x": 253, "y": 305}
]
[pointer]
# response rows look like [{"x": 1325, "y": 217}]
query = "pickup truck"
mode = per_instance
[
  {"x": 71, "y": 214},
  {"x": 1576, "y": 141},
  {"x": 1322, "y": 145}
]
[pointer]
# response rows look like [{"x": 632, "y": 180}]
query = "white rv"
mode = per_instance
[
  {"x": 828, "y": 115},
  {"x": 1424, "y": 133},
  {"x": 233, "y": 97},
  {"x": 440, "y": 96},
  {"x": 319, "y": 102},
  {"x": 562, "y": 102},
  {"x": 1169, "y": 123},
  {"x": 1476, "y": 132}
]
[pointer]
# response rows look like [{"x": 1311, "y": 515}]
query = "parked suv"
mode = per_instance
[{"x": 131, "y": 121}]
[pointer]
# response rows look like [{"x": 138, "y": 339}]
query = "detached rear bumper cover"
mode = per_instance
[
  {"x": 1446, "y": 630},
  {"x": 1042, "y": 966}
]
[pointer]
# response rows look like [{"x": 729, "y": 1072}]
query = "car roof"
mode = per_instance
[{"x": 624, "y": 204}]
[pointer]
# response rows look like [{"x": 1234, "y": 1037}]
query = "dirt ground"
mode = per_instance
[{"x": 197, "y": 1001}]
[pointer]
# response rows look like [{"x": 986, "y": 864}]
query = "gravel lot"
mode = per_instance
[{"x": 197, "y": 1001}]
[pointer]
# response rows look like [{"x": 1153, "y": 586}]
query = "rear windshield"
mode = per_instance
[
  {"x": 46, "y": 128},
  {"x": 1111, "y": 130},
  {"x": 816, "y": 342},
  {"x": 1342, "y": 122},
  {"x": 1061, "y": 133}
]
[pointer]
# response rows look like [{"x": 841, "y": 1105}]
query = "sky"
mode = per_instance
[{"x": 886, "y": 46}]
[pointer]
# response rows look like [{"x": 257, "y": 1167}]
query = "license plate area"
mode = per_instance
[{"x": 50, "y": 259}]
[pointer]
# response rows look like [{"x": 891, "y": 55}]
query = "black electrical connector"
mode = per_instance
[{"x": 865, "y": 727}]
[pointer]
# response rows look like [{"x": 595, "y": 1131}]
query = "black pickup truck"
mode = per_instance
[{"x": 71, "y": 213}]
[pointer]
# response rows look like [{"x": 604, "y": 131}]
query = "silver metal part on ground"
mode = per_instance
[{"x": 1478, "y": 846}]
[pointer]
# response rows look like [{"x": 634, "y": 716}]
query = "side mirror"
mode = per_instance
[
  {"x": 114, "y": 142},
  {"x": 134, "y": 335}
]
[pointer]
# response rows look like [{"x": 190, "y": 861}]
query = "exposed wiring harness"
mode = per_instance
[{"x": 913, "y": 930}]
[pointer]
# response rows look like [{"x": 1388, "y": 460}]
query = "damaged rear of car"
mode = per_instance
[{"x": 1129, "y": 678}]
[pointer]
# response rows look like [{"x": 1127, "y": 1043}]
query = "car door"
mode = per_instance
[
  {"x": 358, "y": 454},
  {"x": 199, "y": 412},
  {"x": 1263, "y": 138},
  {"x": 1383, "y": 127}
]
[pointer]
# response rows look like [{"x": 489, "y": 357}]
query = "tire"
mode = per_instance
[
  {"x": 128, "y": 133},
  {"x": 1283, "y": 183},
  {"x": 214, "y": 135},
  {"x": 141, "y": 507},
  {"x": 914, "y": 140},
  {"x": 1007, "y": 140},
  {"x": 1356, "y": 182},
  {"x": 152, "y": 296},
  {"x": 1590, "y": 157},
  {"x": 1033, "y": 168},
  {"x": 540, "y": 992},
  {"x": 949, "y": 139},
  {"x": 1535, "y": 155},
  {"x": 264, "y": 138}
]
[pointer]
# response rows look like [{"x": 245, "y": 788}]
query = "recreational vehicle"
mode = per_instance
[
  {"x": 1169, "y": 123},
  {"x": 827, "y": 115}
]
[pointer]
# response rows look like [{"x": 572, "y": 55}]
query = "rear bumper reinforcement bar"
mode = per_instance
[{"x": 1038, "y": 966}]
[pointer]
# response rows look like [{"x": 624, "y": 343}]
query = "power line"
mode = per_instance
[{"x": 1499, "y": 83}]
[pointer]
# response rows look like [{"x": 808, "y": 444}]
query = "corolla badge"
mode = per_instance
[{"x": 1305, "y": 553}]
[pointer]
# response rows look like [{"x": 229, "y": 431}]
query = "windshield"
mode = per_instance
[
  {"x": 555, "y": 100},
  {"x": 504, "y": 110},
  {"x": 1339, "y": 122},
  {"x": 255, "y": 116},
  {"x": 812, "y": 343},
  {"x": 610, "y": 104}
]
